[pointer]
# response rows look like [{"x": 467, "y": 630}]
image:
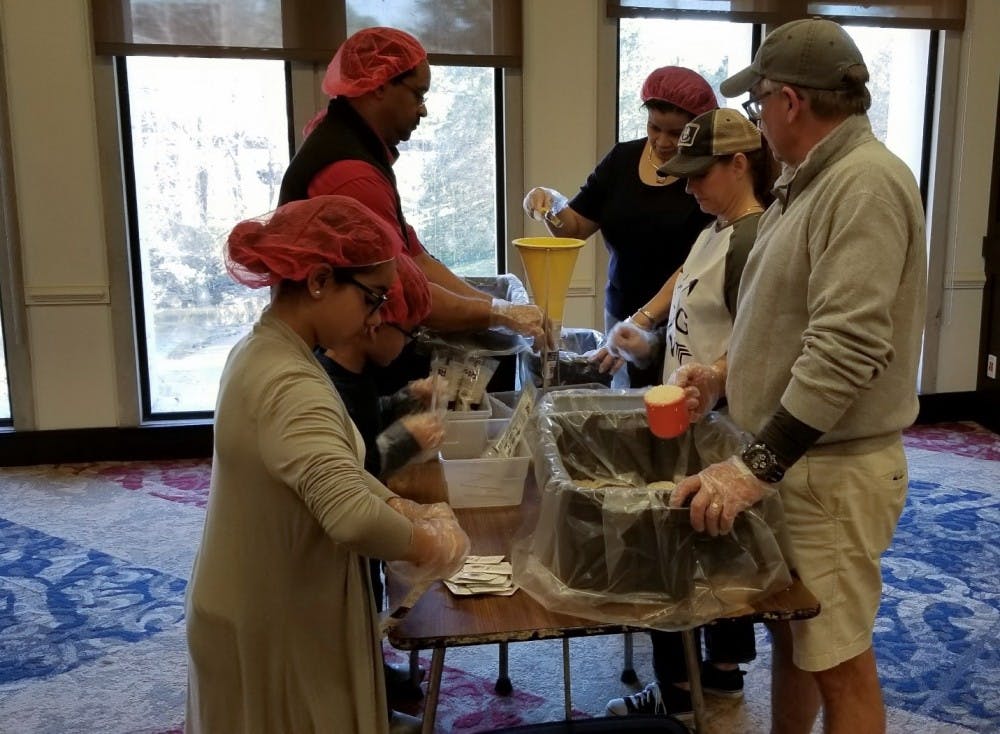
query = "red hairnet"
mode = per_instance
[
  {"x": 409, "y": 297},
  {"x": 370, "y": 58},
  {"x": 680, "y": 87},
  {"x": 326, "y": 230}
]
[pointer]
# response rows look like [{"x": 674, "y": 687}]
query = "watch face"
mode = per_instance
[
  {"x": 758, "y": 459},
  {"x": 762, "y": 462}
]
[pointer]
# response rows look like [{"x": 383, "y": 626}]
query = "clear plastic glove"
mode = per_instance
[
  {"x": 703, "y": 386},
  {"x": 416, "y": 511},
  {"x": 524, "y": 319},
  {"x": 720, "y": 493},
  {"x": 427, "y": 429},
  {"x": 630, "y": 341},
  {"x": 446, "y": 546},
  {"x": 423, "y": 391},
  {"x": 544, "y": 204}
]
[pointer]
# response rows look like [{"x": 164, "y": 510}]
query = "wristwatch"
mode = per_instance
[{"x": 762, "y": 462}]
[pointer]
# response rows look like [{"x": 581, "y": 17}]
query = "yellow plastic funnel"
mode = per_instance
[{"x": 548, "y": 263}]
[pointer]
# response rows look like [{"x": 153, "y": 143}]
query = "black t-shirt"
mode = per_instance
[{"x": 648, "y": 230}]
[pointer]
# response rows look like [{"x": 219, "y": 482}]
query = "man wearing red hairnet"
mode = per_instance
[{"x": 377, "y": 81}]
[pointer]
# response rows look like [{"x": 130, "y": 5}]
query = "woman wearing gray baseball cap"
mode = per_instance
[{"x": 729, "y": 172}]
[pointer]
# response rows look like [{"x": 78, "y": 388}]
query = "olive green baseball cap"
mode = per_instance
[
  {"x": 708, "y": 136},
  {"x": 810, "y": 53}
]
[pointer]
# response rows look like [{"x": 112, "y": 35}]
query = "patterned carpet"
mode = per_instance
[{"x": 94, "y": 560}]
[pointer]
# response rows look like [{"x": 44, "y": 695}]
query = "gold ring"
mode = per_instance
[{"x": 715, "y": 506}]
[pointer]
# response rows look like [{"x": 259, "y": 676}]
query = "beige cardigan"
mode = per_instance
[{"x": 282, "y": 632}]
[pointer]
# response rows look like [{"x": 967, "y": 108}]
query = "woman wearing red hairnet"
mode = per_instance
[
  {"x": 281, "y": 630},
  {"x": 648, "y": 221}
]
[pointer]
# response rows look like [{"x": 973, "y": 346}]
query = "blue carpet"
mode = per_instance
[
  {"x": 940, "y": 616},
  {"x": 62, "y": 605},
  {"x": 93, "y": 561}
]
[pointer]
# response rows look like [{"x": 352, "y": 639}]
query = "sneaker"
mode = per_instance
[
  {"x": 724, "y": 683},
  {"x": 650, "y": 700}
]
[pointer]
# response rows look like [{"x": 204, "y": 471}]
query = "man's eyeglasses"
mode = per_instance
[
  {"x": 754, "y": 105},
  {"x": 375, "y": 299},
  {"x": 420, "y": 97}
]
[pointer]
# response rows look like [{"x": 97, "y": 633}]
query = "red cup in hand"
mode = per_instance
[{"x": 666, "y": 410}]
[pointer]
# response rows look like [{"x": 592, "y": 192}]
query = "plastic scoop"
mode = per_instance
[{"x": 666, "y": 411}]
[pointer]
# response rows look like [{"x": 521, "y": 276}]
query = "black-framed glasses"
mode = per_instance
[
  {"x": 754, "y": 105},
  {"x": 375, "y": 299},
  {"x": 420, "y": 97}
]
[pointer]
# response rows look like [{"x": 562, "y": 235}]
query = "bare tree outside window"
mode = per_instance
[
  {"x": 896, "y": 60},
  {"x": 715, "y": 49},
  {"x": 447, "y": 172},
  {"x": 210, "y": 144}
]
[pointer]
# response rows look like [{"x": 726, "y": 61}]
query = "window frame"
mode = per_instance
[{"x": 303, "y": 97}]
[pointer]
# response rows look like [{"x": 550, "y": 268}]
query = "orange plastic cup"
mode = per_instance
[{"x": 666, "y": 411}]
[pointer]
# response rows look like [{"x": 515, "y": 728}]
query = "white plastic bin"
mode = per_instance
[{"x": 477, "y": 482}]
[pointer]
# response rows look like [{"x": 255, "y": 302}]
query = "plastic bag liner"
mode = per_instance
[
  {"x": 607, "y": 547},
  {"x": 574, "y": 367}
]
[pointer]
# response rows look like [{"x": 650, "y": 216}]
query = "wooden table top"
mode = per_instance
[{"x": 440, "y": 619}]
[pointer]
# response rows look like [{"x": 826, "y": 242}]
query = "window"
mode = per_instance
[
  {"x": 897, "y": 66},
  {"x": 449, "y": 174},
  {"x": 208, "y": 140},
  {"x": 897, "y": 61},
  {"x": 715, "y": 49}
]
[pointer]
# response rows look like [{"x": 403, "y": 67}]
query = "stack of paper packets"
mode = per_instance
[{"x": 482, "y": 575}]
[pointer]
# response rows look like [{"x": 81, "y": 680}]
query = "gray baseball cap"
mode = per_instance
[
  {"x": 810, "y": 53},
  {"x": 708, "y": 136}
]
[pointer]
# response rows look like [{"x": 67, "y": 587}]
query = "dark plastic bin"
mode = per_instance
[{"x": 574, "y": 368}]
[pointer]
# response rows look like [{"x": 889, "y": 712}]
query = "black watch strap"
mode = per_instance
[{"x": 763, "y": 462}]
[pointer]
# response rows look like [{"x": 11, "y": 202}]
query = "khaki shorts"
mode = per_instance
[{"x": 841, "y": 512}]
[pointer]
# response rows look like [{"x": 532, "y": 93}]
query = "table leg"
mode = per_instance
[
  {"x": 415, "y": 667},
  {"x": 694, "y": 679},
  {"x": 628, "y": 668},
  {"x": 503, "y": 686},
  {"x": 567, "y": 684},
  {"x": 433, "y": 690}
]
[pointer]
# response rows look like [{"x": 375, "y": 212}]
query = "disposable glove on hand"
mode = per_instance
[
  {"x": 542, "y": 201},
  {"x": 416, "y": 511},
  {"x": 719, "y": 493},
  {"x": 703, "y": 386},
  {"x": 427, "y": 429},
  {"x": 523, "y": 319},
  {"x": 632, "y": 342},
  {"x": 449, "y": 545},
  {"x": 423, "y": 391}
]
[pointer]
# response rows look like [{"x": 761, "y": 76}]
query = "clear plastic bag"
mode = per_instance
[{"x": 607, "y": 547}]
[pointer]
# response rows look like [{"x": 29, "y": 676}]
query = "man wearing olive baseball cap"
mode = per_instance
[{"x": 822, "y": 365}]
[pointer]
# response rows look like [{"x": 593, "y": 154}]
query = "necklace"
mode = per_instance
[
  {"x": 755, "y": 209},
  {"x": 660, "y": 178}
]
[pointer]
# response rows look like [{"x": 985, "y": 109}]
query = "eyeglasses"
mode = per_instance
[
  {"x": 375, "y": 299},
  {"x": 754, "y": 105},
  {"x": 419, "y": 96}
]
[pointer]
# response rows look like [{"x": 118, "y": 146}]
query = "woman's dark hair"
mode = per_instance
[
  {"x": 340, "y": 275},
  {"x": 763, "y": 168},
  {"x": 344, "y": 275},
  {"x": 666, "y": 107}
]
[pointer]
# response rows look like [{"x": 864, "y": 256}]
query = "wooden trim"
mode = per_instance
[
  {"x": 144, "y": 443},
  {"x": 949, "y": 407},
  {"x": 194, "y": 440}
]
